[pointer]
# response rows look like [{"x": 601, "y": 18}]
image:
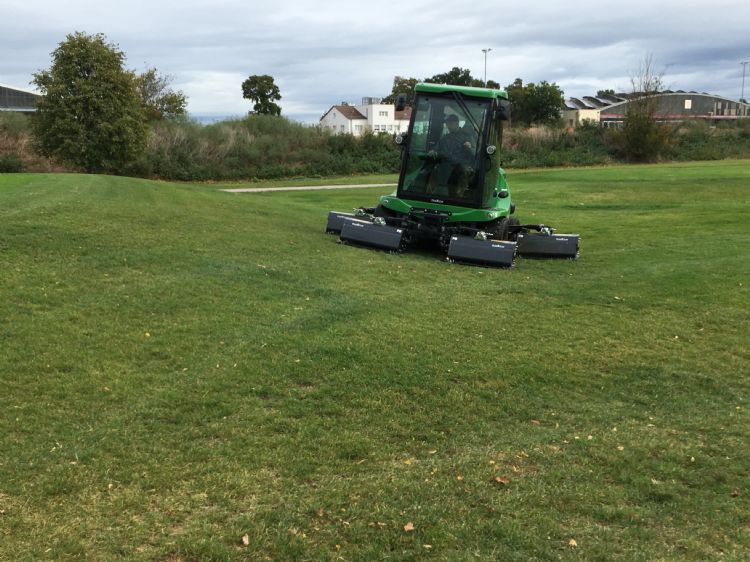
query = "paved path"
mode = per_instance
[{"x": 306, "y": 187}]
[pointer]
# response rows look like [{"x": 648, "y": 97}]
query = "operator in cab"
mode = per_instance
[{"x": 456, "y": 152}]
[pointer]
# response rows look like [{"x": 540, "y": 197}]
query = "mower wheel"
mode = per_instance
[
  {"x": 499, "y": 230},
  {"x": 513, "y": 224}
]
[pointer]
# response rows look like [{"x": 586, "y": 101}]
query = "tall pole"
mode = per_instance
[
  {"x": 744, "y": 66},
  {"x": 485, "y": 51}
]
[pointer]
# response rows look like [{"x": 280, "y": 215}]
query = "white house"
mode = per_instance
[{"x": 369, "y": 116}]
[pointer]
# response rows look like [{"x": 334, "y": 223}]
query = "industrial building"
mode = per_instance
[
  {"x": 610, "y": 110},
  {"x": 17, "y": 100}
]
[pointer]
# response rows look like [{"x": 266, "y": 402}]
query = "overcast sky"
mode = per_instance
[{"x": 322, "y": 53}]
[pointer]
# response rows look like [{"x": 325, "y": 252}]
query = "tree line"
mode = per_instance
[
  {"x": 95, "y": 114},
  {"x": 98, "y": 116},
  {"x": 532, "y": 104}
]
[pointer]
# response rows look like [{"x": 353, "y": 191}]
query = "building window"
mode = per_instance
[
  {"x": 383, "y": 113},
  {"x": 358, "y": 128},
  {"x": 688, "y": 104},
  {"x": 390, "y": 127},
  {"x": 342, "y": 128},
  {"x": 376, "y": 128}
]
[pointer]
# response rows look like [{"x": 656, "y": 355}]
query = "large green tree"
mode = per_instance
[
  {"x": 158, "y": 98},
  {"x": 402, "y": 85},
  {"x": 90, "y": 113},
  {"x": 261, "y": 90},
  {"x": 535, "y": 104},
  {"x": 460, "y": 77},
  {"x": 456, "y": 76}
]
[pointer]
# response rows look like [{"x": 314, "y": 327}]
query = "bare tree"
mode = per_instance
[{"x": 643, "y": 138}]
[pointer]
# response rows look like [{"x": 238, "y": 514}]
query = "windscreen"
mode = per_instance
[{"x": 443, "y": 158}]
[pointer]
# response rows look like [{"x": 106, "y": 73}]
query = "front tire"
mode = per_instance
[
  {"x": 499, "y": 230},
  {"x": 513, "y": 224}
]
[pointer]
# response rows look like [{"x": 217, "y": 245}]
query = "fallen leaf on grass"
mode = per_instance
[
  {"x": 620, "y": 448},
  {"x": 735, "y": 493},
  {"x": 501, "y": 480},
  {"x": 459, "y": 477},
  {"x": 409, "y": 527},
  {"x": 245, "y": 540},
  {"x": 572, "y": 543},
  {"x": 536, "y": 422}
]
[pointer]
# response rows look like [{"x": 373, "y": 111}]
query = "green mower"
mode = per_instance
[{"x": 452, "y": 189}]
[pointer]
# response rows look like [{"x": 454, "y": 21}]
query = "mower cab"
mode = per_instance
[{"x": 452, "y": 188}]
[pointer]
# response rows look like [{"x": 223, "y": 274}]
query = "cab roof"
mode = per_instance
[{"x": 466, "y": 90}]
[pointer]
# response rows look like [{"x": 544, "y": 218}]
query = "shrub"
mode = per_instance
[
  {"x": 545, "y": 147},
  {"x": 10, "y": 163},
  {"x": 90, "y": 113},
  {"x": 14, "y": 124},
  {"x": 260, "y": 146}
]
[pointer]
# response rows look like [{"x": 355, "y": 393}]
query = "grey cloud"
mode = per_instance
[{"x": 321, "y": 54}]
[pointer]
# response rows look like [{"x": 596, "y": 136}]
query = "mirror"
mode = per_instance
[
  {"x": 400, "y": 102},
  {"x": 503, "y": 110}
]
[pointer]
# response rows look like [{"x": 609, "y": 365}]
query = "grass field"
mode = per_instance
[{"x": 182, "y": 368}]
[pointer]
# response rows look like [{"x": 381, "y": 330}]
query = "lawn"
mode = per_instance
[{"x": 188, "y": 374}]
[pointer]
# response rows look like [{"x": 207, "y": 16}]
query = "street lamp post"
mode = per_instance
[
  {"x": 485, "y": 51},
  {"x": 744, "y": 66}
]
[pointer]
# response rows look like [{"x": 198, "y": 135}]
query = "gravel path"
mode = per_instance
[{"x": 306, "y": 187}]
